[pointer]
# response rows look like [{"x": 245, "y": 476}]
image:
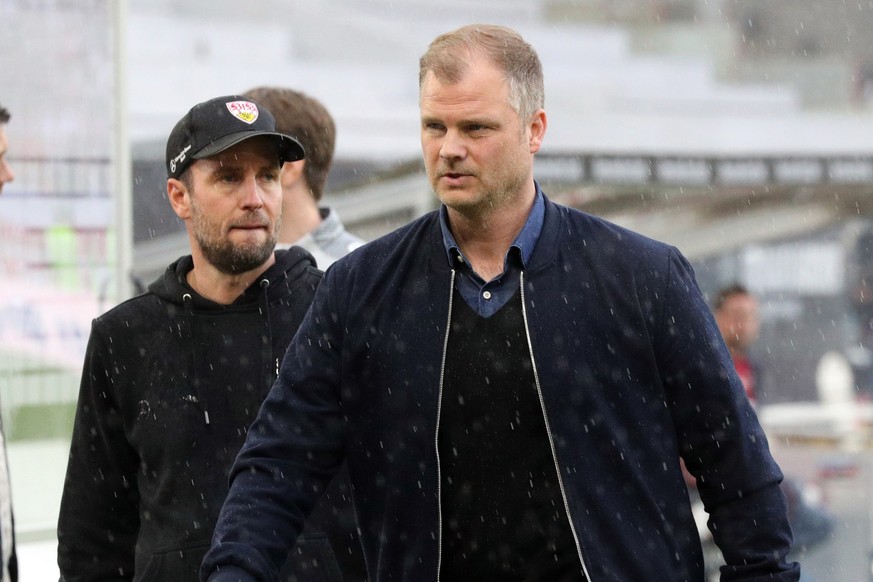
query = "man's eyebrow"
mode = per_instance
[
  {"x": 233, "y": 164},
  {"x": 222, "y": 169},
  {"x": 221, "y": 166}
]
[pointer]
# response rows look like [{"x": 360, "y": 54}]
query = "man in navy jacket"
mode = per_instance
[{"x": 511, "y": 382}]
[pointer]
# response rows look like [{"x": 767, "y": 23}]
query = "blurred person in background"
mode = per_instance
[
  {"x": 318, "y": 230},
  {"x": 8, "y": 558},
  {"x": 6, "y": 174},
  {"x": 511, "y": 381},
  {"x": 736, "y": 313},
  {"x": 304, "y": 223},
  {"x": 174, "y": 377}
]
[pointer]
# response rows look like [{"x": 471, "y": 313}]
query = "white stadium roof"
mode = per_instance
[{"x": 360, "y": 59}]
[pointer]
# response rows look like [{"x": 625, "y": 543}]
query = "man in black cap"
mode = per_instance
[{"x": 173, "y": 378}]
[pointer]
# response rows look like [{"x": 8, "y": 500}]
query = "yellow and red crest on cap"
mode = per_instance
[{"x": 243, "y": 110}]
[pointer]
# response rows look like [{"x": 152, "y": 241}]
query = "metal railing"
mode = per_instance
[{"x": 702, "y": 170}]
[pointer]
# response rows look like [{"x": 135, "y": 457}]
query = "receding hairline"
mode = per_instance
[
  {"x": 451, "y": 55},
  {"x": 448, "y": 56}
]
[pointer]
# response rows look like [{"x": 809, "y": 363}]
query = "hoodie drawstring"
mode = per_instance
[
  {"x": 195, "y": 380},
  {"x": 267, "y": 374}
]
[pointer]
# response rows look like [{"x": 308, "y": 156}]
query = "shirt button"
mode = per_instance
[{"x": 486, "y": 295}]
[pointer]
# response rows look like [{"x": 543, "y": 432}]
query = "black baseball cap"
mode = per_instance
[{"x": 215, "y": 125}]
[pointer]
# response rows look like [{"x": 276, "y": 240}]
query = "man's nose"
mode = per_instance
[
  {"x": 453, "y": 146},
  {"x": 253, "y": 194}
]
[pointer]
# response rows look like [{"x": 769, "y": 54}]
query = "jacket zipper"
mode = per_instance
[
  {"x": 437, "y": 433},
  {"x": 549, "y": 431}
]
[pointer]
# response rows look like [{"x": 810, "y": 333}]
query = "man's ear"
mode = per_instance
[
  {"x": 179, "y": 198},
  {"x": 292, "y": 172},
  {"x": 538, "y": 124}
]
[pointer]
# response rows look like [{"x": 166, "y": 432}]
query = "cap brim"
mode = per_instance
[{"x": 289, "y": 149}]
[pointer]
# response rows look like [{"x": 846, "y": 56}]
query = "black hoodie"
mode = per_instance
[{"x": 170, "y": 385}]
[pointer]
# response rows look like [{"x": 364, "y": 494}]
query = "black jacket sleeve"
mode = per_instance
[{"x": 99, "y": 515}]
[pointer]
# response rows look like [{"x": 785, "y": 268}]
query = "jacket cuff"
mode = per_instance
[{"x": 230, "y": 574}]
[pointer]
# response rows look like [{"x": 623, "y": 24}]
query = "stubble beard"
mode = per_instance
[
  {"x": 485, "y": 197},
  {"x": 497, "y": 189},
  {"x": 230, "y": 258}
]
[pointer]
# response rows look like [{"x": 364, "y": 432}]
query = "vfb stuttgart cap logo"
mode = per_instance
[{"x": 243, "y": 110}]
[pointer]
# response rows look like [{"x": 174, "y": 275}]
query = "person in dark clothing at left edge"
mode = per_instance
[
  {"x": 8, "y": 558},
  {"x": 174, "y": 377}
]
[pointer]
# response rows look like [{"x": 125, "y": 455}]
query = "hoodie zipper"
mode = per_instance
[{"x": 549, "y": 431}]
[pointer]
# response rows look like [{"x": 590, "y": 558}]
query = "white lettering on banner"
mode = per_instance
[{"x": 807, "y": 268}]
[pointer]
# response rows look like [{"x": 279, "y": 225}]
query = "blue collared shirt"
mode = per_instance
[{"x": 487, "y": 297}]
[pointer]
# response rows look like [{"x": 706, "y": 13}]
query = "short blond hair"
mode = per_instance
[{"x": 448, "y": 55}]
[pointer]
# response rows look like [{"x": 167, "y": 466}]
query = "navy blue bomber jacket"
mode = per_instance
[{"x": 632, "y": 373}]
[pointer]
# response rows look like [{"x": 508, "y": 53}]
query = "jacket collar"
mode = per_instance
[
  {"x": 544, "y": 252},
  {"x": 525, "y": 242}
]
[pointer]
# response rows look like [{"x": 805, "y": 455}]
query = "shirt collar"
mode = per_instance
[{"x": 524, "y": 242}]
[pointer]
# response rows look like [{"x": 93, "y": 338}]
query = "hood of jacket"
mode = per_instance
[{"x": 172, "y": 285}]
